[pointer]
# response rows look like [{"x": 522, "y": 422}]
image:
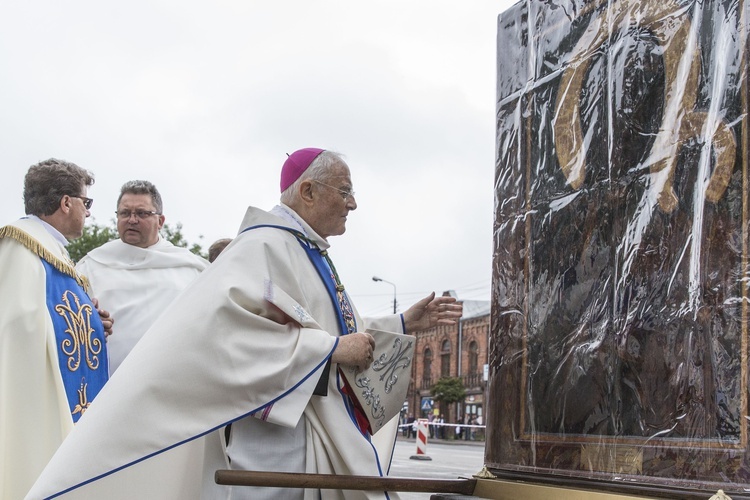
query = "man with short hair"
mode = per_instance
[
  {"x": 256, "y": 341},
  {"x": 53, "y": 356},
  {"x": 138, "y": 275},
  {"x": 217, "y": 247}
]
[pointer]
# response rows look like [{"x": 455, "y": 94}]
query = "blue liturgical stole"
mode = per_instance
[
  {"x": 79, "y": 334},
  {"x": 344, "y": 312},
  {"x": 328, "y": 275}
]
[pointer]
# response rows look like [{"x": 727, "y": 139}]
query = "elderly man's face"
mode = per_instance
[
  {"x": 141, "y": 231},
  {"x": 331, "y": 207}
]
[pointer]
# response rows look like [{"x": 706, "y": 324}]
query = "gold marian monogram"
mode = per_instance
[
  {"x": 669, "y": 22},
  {"x": 81, "y": 344}
]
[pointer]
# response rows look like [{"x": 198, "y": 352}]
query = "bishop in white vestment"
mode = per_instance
[{"x": 255, "y": 341}]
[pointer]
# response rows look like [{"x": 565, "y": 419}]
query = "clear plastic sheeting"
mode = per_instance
[{"x": 620, "y": 293}]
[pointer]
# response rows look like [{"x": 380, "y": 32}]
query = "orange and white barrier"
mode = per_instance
[{"x": 422, "y": 434}]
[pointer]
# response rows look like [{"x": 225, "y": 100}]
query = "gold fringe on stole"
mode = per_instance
[{"x": 38, "y": 249}]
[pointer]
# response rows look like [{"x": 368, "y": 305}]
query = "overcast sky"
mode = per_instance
[{"x": 206, "y": 98}]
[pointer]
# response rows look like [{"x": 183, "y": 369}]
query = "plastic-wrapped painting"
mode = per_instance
[{"x": 620, "y": 268}]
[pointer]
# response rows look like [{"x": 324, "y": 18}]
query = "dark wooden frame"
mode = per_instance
[{"x": 549, "y": 458}]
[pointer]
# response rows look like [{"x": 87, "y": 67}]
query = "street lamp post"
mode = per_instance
[{"x": 375, "y": 278}]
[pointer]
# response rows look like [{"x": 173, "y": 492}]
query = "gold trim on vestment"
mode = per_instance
[{"x": 41, "y": 251}]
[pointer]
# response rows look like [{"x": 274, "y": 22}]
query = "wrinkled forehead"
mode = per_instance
[{"x": 339, "y": 172}]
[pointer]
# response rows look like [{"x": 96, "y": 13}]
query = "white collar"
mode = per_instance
[
  {"x": 50, "y": 229},
  {"x": 286, "y": 213}
]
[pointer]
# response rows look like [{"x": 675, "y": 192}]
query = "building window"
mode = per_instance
[
  {"x": 473, "y": 358},
  {"x": 445, "y": 359},
  {"x": 427, "y": 369}
]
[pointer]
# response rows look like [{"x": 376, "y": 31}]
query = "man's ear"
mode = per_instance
[
  {"x": 306, "y": 191},
  {"x": 65, "y": 203}
]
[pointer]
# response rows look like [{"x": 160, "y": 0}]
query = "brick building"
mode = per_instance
[{"x": 458, "y": 350}]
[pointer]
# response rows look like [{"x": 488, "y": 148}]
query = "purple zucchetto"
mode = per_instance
[{"x": 296, "y": 164}]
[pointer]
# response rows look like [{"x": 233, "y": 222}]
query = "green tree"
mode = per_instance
[
  {"x": 448, "y": 389},
  {"x": 174, "y": 236},
  {"x": 96, "y": 235}
]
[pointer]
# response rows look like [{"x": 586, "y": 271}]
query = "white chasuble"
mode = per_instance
[
  {"x": 52, "y": 352},
  {"x": 135, "y": 285},
  {"x": 249, "y": 338}
]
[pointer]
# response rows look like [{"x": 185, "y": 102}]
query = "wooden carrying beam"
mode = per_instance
[{"x": 333, "y": 482}]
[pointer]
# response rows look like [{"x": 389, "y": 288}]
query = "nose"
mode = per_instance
[
  {"x": 351, "y": 203},
  {"x": 133, "y": 216}
]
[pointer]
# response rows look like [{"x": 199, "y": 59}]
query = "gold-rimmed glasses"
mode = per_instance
[{"x": 346, "y": 194}]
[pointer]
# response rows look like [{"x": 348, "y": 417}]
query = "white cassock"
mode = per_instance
[
  {"x": 35, "y": 414},
  {"x": 135, "y": 285},
  {"x": 251, "y": 335}
]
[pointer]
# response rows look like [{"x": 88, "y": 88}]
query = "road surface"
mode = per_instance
[{"x": 449, "y": 460}]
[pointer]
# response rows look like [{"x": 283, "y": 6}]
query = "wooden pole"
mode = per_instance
[{"x": 334, "y": 482}]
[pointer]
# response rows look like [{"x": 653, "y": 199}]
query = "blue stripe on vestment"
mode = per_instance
[
  {"x": 321, "y": 266},
  {"x": 79, "y": 339}
]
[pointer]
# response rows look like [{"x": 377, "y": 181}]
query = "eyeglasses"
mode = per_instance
[
  {"x": 87, "y": 202},
  {"x": 345, "y": 194},
  {"x": 141, "y": 214}
]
